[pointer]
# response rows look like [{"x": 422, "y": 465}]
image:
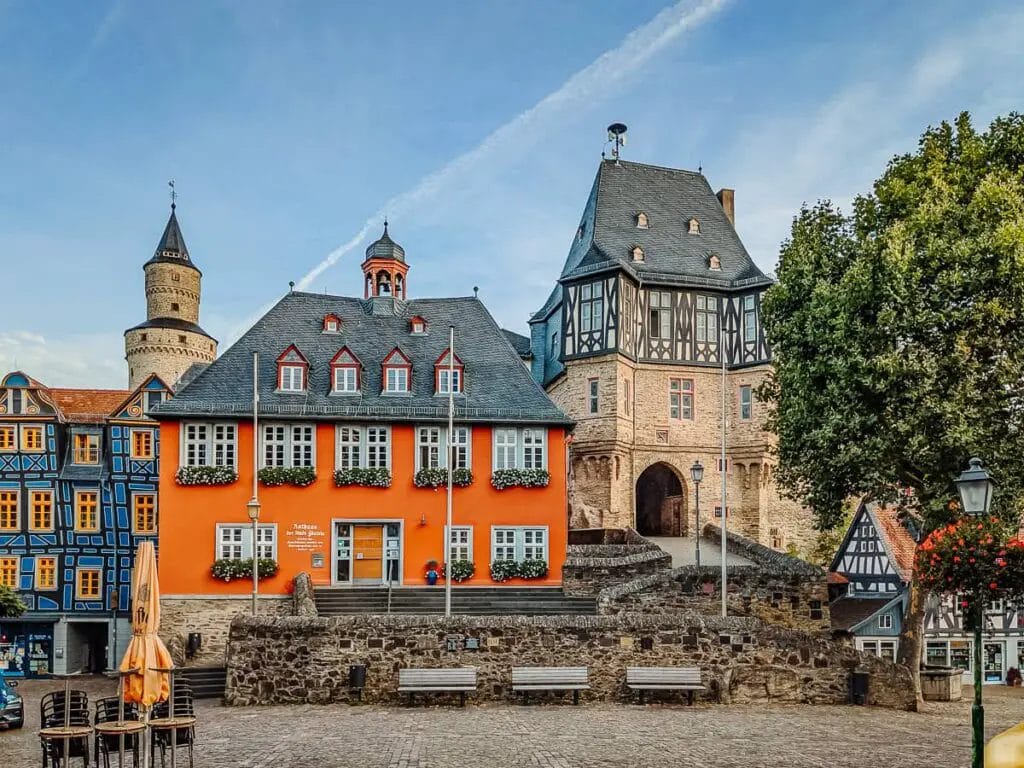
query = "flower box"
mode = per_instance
[
  {"x": 298, "y": 476},
  {"x": 205, "y": 475},
  {"x": 503, "y": 570},
  {"x": 377, "y": 477},
  {"x": 521, "y": 478},
  {"x": 437, "y": 478},
  {"x": 227, "y": 569}
]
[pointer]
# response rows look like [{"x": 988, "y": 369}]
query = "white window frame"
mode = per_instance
[
  {"x": 593, "y": 396},
  {"x": 505, "y": 454},
  {"x": 365, "y": 440},
  {"x": 534, "y": 444},
  {"x": 460, "y": 541},
  {"x": 401, "y": 377},
  {"x": 291, "y": 441},
  {"x": 243, "y": 544},
  {"x": 749, "y": 320},
  {"x": 213, "y": 447},
  {"x": 292, "y": 377},
  {"x": 461, "y": 447},
  {"x": 746, "y": 399},
  {"x": 706, "y": 319},
  {"x": 680, "y": 399},
  {"x": 340, "y": 382},
  {"x": 885, "y": 621},
  {"x": 591, "y": 307},
  {"x": 518, "y": 448},
  {"x": 520, "y": 541},
  {"x": 442, "y": 380},
  {"x": 659, "y": 311}
]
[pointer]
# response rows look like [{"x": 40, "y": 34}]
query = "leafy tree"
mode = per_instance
[
  {"x": 11, "y": 604},
  {"x": 898, "y": 336}
]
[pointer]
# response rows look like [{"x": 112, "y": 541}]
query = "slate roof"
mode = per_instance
[
  {"x": 848, "y": 612},
  {"x": 520, "y": 343},
  {"x": 82, "y": 406},
  {"x": 498, "y": 386},
  {"x": 670, "y": 198},
  {"x": 172, "y": 248},
  {"x": 385, "y": 248},
  {"x": 171, "y": 322}
]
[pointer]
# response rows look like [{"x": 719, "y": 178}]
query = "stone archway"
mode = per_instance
[{"x": 660, "y": 502}]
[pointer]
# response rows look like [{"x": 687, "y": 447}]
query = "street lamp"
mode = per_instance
[
  {"x": 253, "y": 508},
  {"x": 697, "y": 474},
  {"x": 974, "y": 485}
]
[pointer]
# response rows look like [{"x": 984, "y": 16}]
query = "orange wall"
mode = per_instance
[{"x": 189, "y": 514}]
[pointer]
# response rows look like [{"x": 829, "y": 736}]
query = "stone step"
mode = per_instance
[{"x": 207, "y": 682}]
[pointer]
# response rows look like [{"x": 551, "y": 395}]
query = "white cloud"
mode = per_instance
[{"x": 75, "y": 360}]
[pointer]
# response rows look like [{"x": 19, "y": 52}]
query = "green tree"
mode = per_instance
[
  {"x": 11, "y": 604},
  {"x": 898, "y": 336}
]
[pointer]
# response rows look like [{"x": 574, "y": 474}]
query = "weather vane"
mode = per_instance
[{"x": 174, "y": 195}]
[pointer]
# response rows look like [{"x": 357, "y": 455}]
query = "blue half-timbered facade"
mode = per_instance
[
  {"x": 876, "y": 560},
  {"x": 78, "y": 492}
]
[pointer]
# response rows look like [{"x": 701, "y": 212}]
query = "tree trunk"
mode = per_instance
[{"x": 911, "y": 637}]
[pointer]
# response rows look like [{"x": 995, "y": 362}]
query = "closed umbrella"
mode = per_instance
[{"x": 146, "y": 653}]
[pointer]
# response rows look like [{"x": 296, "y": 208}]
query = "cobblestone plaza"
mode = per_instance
[{"x": 563, "y": 735}]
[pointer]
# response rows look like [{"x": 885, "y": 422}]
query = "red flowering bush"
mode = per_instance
[{"x": 973, "y": 556}]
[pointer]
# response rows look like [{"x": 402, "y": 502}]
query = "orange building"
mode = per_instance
[{"x": 354, "y": 447}]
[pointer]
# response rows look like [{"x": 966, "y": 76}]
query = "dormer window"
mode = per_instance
[
  {"x": 417, "y": 326},
  {"x": 641, "y": 221},
  {"x": 292, "y": 370},
  {"x": 714, "y": 263},
  {"x": 397, "y": 373},
  {"x": 694, "y": 227},
  {"x": 638, "y": 253},
  {"x": 448, "y": 377},
  {"x": 345, "y": 372},
  {"x": 332, "y": 324}
]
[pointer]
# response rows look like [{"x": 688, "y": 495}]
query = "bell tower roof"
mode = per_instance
[
  {"x": 384, "y": 269},
  {"x": 385, "y": 248},
  {"x": 172, "y": 249}
]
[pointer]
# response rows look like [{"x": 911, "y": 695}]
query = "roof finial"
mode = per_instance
[
  {"x": 617, "y": 135},
  {"x": 700, "y": 167},
  {"x": 291, "y": 286},
  {"x": 174, "y": 195},
  {"x": 385, "y": 225},
  {"x": 476, "y": 291}
]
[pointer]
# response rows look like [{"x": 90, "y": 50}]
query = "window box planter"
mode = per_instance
[
  {"x": 298, "y": 476},
  {"x": 503, "y": 570},
  {"x": 205, "y": 476},
  {"x": 227, "y": 569},
  {"x": 377, "y": 477},
  {"x": 521, "y": 478},
  {"x": 462, "y": 570},
  {"x": 437, "y": 478}
]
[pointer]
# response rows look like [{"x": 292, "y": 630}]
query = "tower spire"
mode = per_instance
[{"x": 174, "y": 195}]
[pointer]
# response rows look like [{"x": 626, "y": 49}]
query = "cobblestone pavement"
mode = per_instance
[
  {"x": 684, "y": 551},
  {"x": 564, "y": 736}
]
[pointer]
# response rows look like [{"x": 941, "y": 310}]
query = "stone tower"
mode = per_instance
[{"x": 170, "y": 340}]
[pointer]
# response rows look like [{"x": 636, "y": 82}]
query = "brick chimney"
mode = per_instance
[{"x": 727, "y": 197}]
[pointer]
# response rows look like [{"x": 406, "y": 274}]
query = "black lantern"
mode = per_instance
[
  {"x": 697, "y": 472},
  {"x": 975, "y": 488}
]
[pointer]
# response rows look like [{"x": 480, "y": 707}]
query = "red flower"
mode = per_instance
[
  {"x": 956, "y": 559},
  {"x": 993, "y": 585}
]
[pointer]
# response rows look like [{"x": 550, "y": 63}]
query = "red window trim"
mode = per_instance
[
  {"x": 335, "y": 318},
  {"x": 407, "y": 364},
  {"x": 439, "y": 366},
  {"x": 693, "y": 398},
  {"x": 302, "y": 362},
  {"x": 357, "y": 364},
  {"x": 412, "y": 324}
]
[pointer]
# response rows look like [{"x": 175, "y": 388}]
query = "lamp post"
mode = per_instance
[
  {"x": 253, "y": 508},
  {"x": 697, "y": 474},
  {"x": 974, "y": 485}
]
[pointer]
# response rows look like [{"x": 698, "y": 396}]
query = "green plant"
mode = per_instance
[
  {"x": 436, "y": 478},
  {"x": 532, "y": 569},
  {"x": 11, "y": 604},
  {"x": 376, "y": 477},
  {"x": 522, "y": 478},
  {"x": 503, "y": 570},
  {"x": 227, "y": 569},
  {"x": 205, "y": 475},
  {"x": 462, "y": 570},
  {"x": 298, "y": 476}
]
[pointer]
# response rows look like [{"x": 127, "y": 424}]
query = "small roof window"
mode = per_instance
[
  {"x": 693, "y": 226},
  {"x": 642, "y": 221},
  {"x": 332, "y": 323},
  {"x": 417, "y": 325},
  {"x": 715, "y": 263},
  {"x": 637, "y": 253}
]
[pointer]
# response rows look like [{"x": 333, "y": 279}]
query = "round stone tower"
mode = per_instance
[{"x": 170, "y": 340}]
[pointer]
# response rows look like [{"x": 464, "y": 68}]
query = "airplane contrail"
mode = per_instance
[{"x": 583, "y": 87}]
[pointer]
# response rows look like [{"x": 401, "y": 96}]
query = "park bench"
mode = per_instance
[
  {"x": 526, "y": 679},
  {"x": 461, "y": 680},
  {"x": 644, "y": 679}
]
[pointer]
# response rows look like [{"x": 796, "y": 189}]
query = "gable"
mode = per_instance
[
  {"x": 397, "y": 358},
  {"x": 292, "y": 356},
  {"x": 345, "y": 357},
  {"x": 443, "y": 361},
  {"x": 863, "y": 558}
]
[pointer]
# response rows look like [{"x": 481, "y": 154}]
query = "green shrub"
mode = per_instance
[
  {"x": 227, "y": 569},
  {"x": 532, "y": 569},
  {"x": 462, "y": 570},
  {"x": 522, "y": 478},
  {"x": 299, "y": 476},
  {"x": 437, "y": 478},
  {"x": 376, "y": 477},
  {"x": 503, "y": 570},
  {"x": 11, "y": 604},
  {"x": 205, "y": 475}
]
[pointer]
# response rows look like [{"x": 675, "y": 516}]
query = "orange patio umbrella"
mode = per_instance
[{"x": 146, "y": 652}]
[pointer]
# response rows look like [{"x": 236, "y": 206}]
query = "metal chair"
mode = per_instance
[
  {"x": 184, "y": 706},
  {"x": 56, "y": 710},
  {"x": 107, "y": 745}
]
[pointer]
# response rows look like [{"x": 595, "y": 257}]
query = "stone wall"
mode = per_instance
[
  {"x": 292, "y": 660},
  {"x": 605, "y": 566},
  {"x": 211, "y": 617}
]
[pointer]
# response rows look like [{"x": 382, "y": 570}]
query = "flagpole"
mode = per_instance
[
  {"x": 723, "y": 467},
  {"x": 253, "y": 507},
  {"x": 451, "y": 468}
]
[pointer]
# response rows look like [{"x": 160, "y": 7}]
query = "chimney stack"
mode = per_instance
[{"x": 727, "y": 197}]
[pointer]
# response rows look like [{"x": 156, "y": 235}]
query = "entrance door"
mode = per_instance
[
  {"x": 368, "y": 546},
  {"x": 993, "y": 656}
]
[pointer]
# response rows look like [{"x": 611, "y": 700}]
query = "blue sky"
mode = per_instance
[{"x": 289, "y": 128}]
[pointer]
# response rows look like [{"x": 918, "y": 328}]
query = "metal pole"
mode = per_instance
[
  {"x": 255, "y": 479},
  {"x": 722, "y": 353},
  {"x": 451, "y": 468},
  {"x": 977, "y": 710},
  {"x": 697, "y": 540}
]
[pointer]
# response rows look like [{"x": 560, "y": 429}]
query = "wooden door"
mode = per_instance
[{"x": 368, "y": 546}]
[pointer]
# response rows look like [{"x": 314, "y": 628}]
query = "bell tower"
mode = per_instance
[
  {"x": 384, "y": 268},
  {"x": 170, "y": 340}
]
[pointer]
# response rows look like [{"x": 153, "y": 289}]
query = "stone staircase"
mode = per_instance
[
  {"x": 466, "y": 601},
  {"x": 207, "y": 682}
]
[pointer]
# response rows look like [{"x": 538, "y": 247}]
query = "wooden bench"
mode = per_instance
[
  {"x": 664, "y": 679},
  {"x": 526, "y": 679},
  {"x": 461, "y": 680}
]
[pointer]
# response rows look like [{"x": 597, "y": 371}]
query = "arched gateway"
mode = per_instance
[{"x": 660, "y": 502}]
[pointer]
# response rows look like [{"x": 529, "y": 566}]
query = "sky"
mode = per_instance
[{"x": 292, "y": 129}]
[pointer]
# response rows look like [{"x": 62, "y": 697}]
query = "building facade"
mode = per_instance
[
  {"x": 78, "y": 493},
  {"x": 353, "y": 445},
  {"x": 657, "y": 296},
  {"x": 876, "y": 561},
  {"x": 170, "y": 341}
]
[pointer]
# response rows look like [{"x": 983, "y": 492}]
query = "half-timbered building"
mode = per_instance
[
  {"x": 876, "y": 561},
  {"x": 656, "y": 295}
]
